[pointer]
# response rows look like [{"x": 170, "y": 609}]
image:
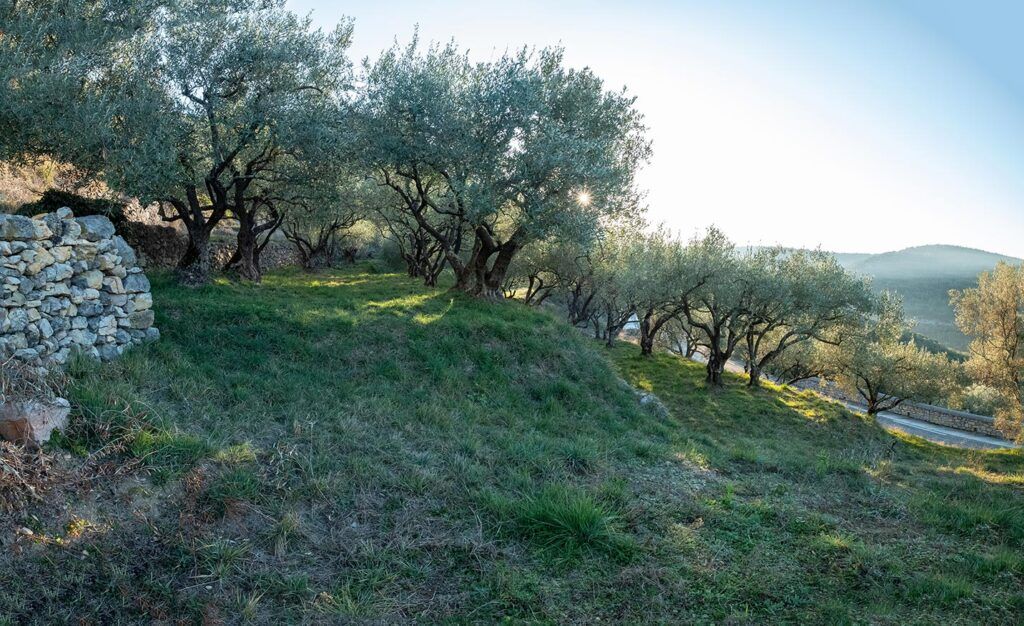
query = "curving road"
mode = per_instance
[
  {"x": 925, "y": 430},
  {"x": 935, "y": 433}
]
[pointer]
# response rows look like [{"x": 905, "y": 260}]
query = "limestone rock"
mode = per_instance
[
  {"x": 16, "y": 227},
  {"x": 141, "y": 320},
  {"x": 96, "y": 227},
  {"x": 128, "y": 257},
  {"x": 136, "y": 283},
  {"x": 32, "y": 421}
]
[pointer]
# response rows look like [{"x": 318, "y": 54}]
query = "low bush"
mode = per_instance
[{"x": 54, "y": 199}]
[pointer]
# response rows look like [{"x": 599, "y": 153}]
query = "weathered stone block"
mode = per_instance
[
  {"x": 95, "y": 227},
  {"x": 16, "y": 227},
  {"x": 136, "y": 283},
  {"x": 93, "y": 279},
  {"x": 141, "y": 319},
  {"x": 32, "y": 421}
]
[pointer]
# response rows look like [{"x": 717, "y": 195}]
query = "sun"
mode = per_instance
[{"x": 583, "y": 198}]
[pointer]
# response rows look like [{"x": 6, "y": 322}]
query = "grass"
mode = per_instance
[{"x": 350, "y": 446}]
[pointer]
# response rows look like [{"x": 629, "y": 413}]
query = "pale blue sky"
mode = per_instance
[{"x": 854, "y": 125}]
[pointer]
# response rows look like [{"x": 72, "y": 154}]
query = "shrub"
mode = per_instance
[
  {"x": 980, "y": 400},
  {"x": 54, "y": 199}
]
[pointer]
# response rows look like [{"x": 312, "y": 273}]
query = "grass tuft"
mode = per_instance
[{"x": 567, "y": 522}]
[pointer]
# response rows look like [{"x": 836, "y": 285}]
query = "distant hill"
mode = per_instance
[
  {"x": 849, "y": 259},
  {"x": 925, "y": 261},
  {"x": 923, "y": 275}
]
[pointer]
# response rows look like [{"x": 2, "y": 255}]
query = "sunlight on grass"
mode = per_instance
[
  {"x": 235, "y": 454},
  {"x": 430, "y": 318},
  {"x": 643, "y": 383},
  {"x": 801, "y": 407},
  {"x": 694, "y": 458},
  {"x": 835, "y": 541},
  {"x": 353, "y": 281},
  {"x": 995, "y": 478},
  {"x": 686, "y": 537},
  {"x": 401, "y": 303}
]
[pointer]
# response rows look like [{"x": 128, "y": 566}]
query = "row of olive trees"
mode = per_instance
[
  {"x": 483, "y": 159},
  {"x": 792, "y": 314},
  {"x": 516, "y": 175},
  {"x": 218, "y": 109}
]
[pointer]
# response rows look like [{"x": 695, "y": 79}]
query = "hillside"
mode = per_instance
[
  {"x": 923, "y": 276},
  {"x": 353, "y": 447}
]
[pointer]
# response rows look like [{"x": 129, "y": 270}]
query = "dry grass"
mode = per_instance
[
  {"x": 24, "y": 476},
  {"x": 19, "y": 382},
  {"x": 22, "y": 183}
]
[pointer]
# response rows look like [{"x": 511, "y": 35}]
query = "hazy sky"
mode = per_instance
[{"x": 857, "y": 126}]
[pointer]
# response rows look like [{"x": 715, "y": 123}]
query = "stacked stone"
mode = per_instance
[{"x": 69, "y": 284}]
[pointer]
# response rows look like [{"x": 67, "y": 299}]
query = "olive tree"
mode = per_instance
[
  {"x": 54, "y": 73},
  {"x": 992, "y": 315},
  {"x": 574, "y": 267},
  {"x": 803, "y": 361},
  {"x": 305, "y": 181},
  {"x": 657, "y": 265},
  {"x": 423, "y": 253},
  {"x": 680, "y": 338},
  {"x": 617, "y": 290},
  {"x": 879, "y": 366},
  {"x": 718, "y": 308},
  {"x": 668, "y": 273},
  {"x": 537, "y": 272},
  {"x": 315, "y": 230},
  {"x": 518, "y": 150},
  {"x": 797, "y": 296}
]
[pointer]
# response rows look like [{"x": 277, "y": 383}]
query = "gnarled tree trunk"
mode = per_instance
[
  {"x": 246, "y": 258},
  {"x": 249, "y": 245},
  {"x": 194, "y": 267}
]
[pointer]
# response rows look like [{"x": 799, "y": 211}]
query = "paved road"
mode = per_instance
[{"x": 936, "y": 433}]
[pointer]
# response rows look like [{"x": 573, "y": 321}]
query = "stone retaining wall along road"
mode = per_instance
[
  {"x": 961, "y": 420},
  {"x": 938, "y": 415},
  {"x": 69, "y": 284}
]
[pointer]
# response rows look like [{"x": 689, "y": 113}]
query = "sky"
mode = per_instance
[{"x": 856, "y": 126}]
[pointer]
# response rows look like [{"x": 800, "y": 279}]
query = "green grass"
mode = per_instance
[{"x": 351, "y": 446}]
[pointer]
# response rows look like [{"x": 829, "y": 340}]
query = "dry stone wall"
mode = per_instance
[
  {"x": 69, "y": 284},
  {"x": 161, "y": 246}
]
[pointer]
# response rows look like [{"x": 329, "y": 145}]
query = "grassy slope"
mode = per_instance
[{"x": 351, "y": 445}]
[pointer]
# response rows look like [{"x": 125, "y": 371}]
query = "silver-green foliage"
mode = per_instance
[
  {"x": 517, "y": 150},
  {"x": 195, "y": 104},
  {"x": 883, "y": 369}
]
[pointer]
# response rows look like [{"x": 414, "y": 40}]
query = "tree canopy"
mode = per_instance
[
  {"x": 515, "y": 151},
  {"x": 198, "y": 104},
  {"x": 883, "y": 369},
  {"x": 992, "y": 315}
]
